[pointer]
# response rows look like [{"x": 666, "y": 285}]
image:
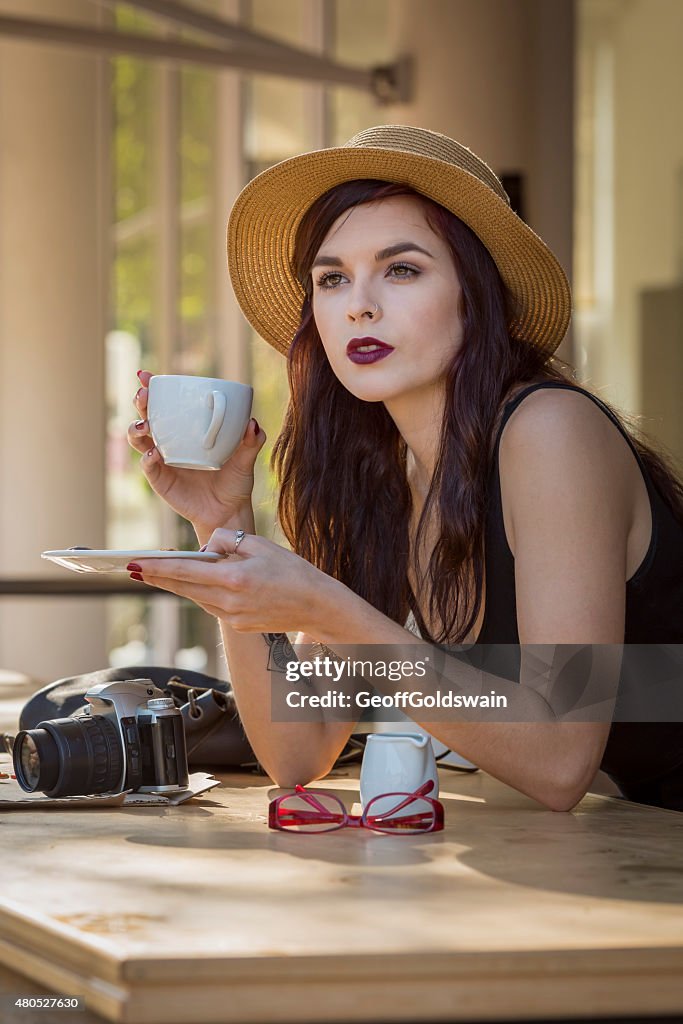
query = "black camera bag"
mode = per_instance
[{"x": 213, "y": 730}]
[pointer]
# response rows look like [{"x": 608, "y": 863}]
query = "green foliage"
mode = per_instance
[
  {"x": 197, "y": 128},
  {"x": 134, "y": 287}
]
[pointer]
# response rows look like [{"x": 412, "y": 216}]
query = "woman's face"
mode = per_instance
[{"x": 386, "y": 300}]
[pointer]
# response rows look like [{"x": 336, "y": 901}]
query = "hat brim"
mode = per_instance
[{"x": 267, "y": 213}]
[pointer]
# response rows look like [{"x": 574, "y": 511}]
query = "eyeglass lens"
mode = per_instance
[
  {"x": 395, "y": 814},
  {"x": 314, "y": 813}
]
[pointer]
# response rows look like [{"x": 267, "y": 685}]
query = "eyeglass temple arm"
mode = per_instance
[
  {"x": 425, "y": 788},
  {"x": 309, "y": 797}
]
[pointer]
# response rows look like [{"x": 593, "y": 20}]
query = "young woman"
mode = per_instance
[{"x": 435, "y": 458}]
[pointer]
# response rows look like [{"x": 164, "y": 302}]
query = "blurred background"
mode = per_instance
[{"x": 127, "y": 130}]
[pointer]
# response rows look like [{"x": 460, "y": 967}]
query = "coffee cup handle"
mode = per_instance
[{"x": 218, "y": 401}]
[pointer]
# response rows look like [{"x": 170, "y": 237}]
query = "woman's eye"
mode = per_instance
[
  {"x": 329, "y": 280},
  {"x": 403, "y": 270}
]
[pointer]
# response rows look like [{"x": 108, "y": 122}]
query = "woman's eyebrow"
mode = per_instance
[
  {"x": 394, "y": 250},
  {"x": 383, "y": 254},
  {"x": 326, "y": 261}
]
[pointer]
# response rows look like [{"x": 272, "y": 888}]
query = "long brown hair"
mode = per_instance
[{"x": 345, "y": 504}]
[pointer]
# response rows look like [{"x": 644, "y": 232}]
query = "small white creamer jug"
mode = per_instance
[{"x": 397, "y": 762}]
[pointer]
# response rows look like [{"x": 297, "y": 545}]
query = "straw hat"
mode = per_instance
[{"x": 264, "y": 221}]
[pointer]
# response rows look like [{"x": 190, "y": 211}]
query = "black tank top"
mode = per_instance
[{"x": 645, "y": 759}]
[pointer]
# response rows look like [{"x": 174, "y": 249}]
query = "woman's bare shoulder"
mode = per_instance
[
  {"x": 558, "y": 438},
  {"x": 569, "y": 414},
  {"x": 512, "y": 392}
]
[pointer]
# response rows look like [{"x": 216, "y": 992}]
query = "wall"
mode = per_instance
[
  {"x": 648, "y": 199},
  {"x": 51, "y": 339},
  {"x": 630, "y": 244}
]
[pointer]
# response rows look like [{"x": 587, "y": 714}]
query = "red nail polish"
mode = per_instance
[
  {"x": 139, "y": 424},
  {"x": 203, "y": 547},
  {"x": 136, "y": 576},
  {"x": 133, "y": 567},
  {"x": 138, "y": 375},
  {"x": 256, "y": 427}
]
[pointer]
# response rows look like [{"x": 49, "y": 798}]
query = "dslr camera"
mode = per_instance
[{"x": 129, "y": 736}]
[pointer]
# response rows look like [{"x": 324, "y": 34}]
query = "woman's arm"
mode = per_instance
[
  {"x": 223, "y": 499},
  {"x": 550, "y": 760},
  {"x": 262, "y": 590}
]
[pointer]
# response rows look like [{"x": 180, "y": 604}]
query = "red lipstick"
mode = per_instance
[{"x": 367, "y": 350}]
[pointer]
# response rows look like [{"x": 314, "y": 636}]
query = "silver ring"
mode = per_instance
[
  {"x": 374, "y": 312},
  {"x": 239, "y": 537}
]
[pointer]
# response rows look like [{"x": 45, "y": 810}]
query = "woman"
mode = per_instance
[{"x": 435, "y": 458}]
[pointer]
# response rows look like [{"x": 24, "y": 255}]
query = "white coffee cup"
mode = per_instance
[
  {"x": 396, "y": 762},
  {"x": 197, "y": 422}
]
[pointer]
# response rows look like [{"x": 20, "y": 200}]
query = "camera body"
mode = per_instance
[{"x": 129, "y": 736}]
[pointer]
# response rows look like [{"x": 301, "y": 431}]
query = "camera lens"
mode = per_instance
[
  {"x": 69, "y": 757},
  {"x": 37, "y": 755}
]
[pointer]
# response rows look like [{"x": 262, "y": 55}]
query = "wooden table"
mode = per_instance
[{"x": 201, "y": 914}]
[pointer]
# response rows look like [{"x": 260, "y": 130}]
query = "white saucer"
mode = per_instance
[{"x": 92, "y": 560}]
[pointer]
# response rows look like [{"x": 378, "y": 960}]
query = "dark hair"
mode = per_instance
[{"x": 345, "y": 504}]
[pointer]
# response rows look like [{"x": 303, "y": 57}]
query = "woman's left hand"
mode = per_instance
[{"x": 263, "y": 588}]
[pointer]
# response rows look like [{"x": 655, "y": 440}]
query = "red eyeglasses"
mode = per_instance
[{"x": 314, "y": 810}]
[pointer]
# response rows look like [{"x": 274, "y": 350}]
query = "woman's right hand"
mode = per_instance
[{"x": 209, "y": 500}]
